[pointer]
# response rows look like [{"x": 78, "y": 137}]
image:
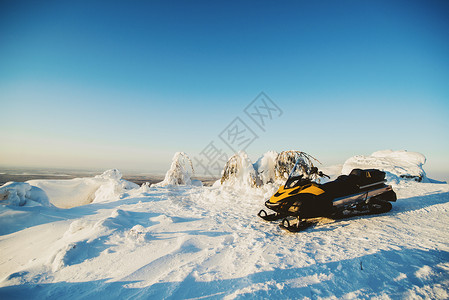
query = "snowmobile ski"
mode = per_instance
[
  {"x": 297, "y": 226},
  {"x": 270, "y": 217}
]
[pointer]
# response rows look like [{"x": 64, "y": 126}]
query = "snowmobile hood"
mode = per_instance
[{"x": 285, "y": 192}]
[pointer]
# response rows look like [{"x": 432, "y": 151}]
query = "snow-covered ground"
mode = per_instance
[{"x": 194, "y": 242}]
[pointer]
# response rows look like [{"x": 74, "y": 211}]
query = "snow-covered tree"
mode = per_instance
[
  {"x": 285, "y": 161},
  {"x": 239, "y": 170},
  {"x": 180, "y": 172}
]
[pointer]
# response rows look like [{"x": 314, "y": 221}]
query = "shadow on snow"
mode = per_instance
[{"x": 394, "y": 273}]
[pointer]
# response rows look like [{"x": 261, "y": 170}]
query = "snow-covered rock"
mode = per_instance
[{"x": 397, "y": 164}]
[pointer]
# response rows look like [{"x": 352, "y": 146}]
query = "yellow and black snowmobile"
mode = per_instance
[{"x": 301, "y": 199}]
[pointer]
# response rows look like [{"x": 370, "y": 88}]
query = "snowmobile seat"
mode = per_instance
[
  {"x": 366, "y": 177},
  {"x": 350, "y": 184},
  {"x": 343, "y": 185}
]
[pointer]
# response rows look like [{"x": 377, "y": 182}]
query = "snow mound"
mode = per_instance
[
  {"x": 81, "y": 191},
  {"x": 180, "y": 172},
  {"x": 21, "y": 193},
  {"x": 113, "y": 174},
  {"x": 239, "y": 171},
  {"x": 397, "y": 164}
]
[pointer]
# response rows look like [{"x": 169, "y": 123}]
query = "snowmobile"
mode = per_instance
[{"x": 301, "y": 200}]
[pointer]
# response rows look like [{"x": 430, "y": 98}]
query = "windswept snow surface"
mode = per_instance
[{"x": 187, "y": 242}]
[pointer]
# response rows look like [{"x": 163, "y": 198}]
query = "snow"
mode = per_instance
[
  {"x": 21, "y": 193},
  {"x": 192, "y": 242},
  {"x": 81, "y": 191}
]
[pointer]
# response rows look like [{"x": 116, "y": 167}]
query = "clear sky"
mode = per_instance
[{"x": 126, "y": 84}]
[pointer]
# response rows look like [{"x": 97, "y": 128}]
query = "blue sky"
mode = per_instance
[{"x": 126, "y": 84}]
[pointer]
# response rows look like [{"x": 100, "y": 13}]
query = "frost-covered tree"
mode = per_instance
[
  {"x": 272, "y": 167},
  {"x": 265, "y": 167},
  {"x": 285, "y": 161},
  {"x": 180, "y": 172},
  {"x": 239, "y": 170}
]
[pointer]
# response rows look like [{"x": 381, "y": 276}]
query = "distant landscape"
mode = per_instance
[{"x": 25, "y": 174}]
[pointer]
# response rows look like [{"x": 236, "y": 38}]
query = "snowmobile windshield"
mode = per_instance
[
  {"x": 299, "y": 174},
  {"x": 301, "y": 168},
  {"x": 294, "y": 181}
]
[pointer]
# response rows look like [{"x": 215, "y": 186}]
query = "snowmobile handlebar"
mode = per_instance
[
  {"x": 308, "y": 173},
  {"x": 321, "y": 174},
  {"x": 314, "y": 170}
]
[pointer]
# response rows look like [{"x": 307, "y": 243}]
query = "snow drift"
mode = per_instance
[
  {"x": 22, "y": 193},
  {"x": 67, "y": 193},
  {"x": 397, "y": 164}
]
